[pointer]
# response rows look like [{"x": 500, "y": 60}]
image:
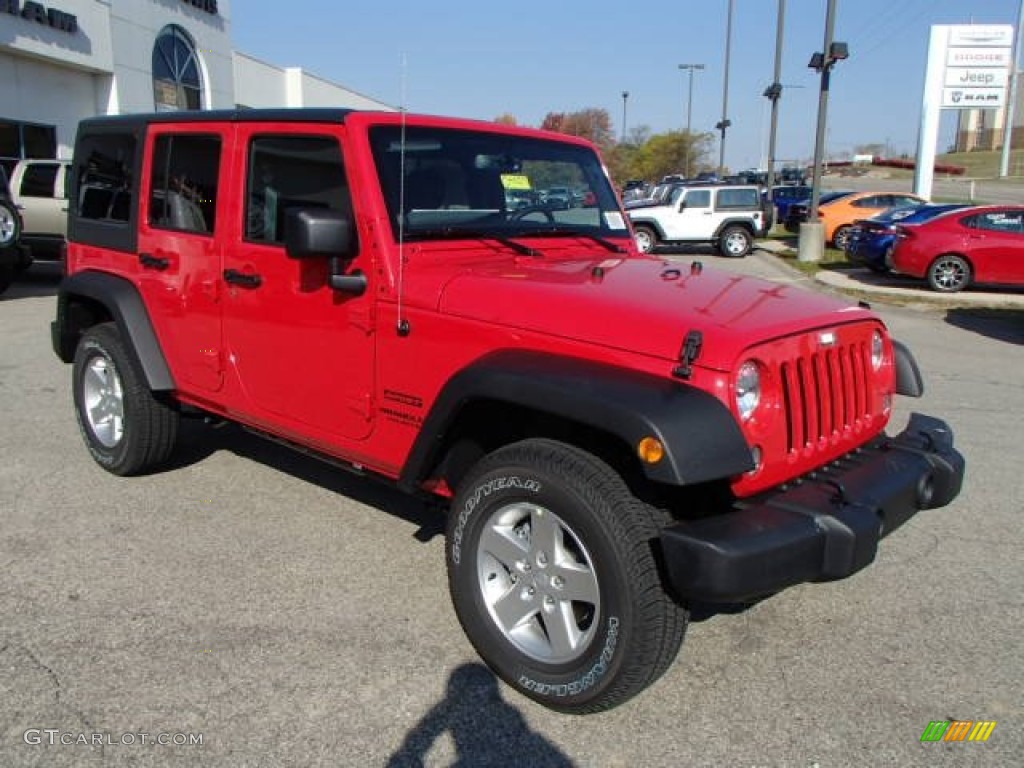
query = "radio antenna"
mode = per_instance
[{"x": 403, "y": 324}]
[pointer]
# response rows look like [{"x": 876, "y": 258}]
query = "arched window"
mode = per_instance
[{"x": 176, "y": 79}]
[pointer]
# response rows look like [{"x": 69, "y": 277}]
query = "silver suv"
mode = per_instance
[{"x": 726, "y": 216}]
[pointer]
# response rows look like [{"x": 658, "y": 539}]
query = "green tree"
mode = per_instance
[
  {"x": 667, "y": 153},
  {"x": 506, "y": 119}
]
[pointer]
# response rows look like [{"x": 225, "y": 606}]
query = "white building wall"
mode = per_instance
[
  {"x": 257, "y": 84},
  {"x": 135, "y": 26},
  {"x": 56, "y": 77},
  {"x": 70, "y": 94}
]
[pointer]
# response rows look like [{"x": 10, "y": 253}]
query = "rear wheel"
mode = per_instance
[
  {"x": 735, "y": 242},
  {"x": 10, "y": 225},
  {"x": 646, "y": 238},
  {"x": 126, "y": 429},
  {"x": 552, "y": 574},
  {"x": 949, "y": 273},
  {"x": 841, "y": 237}
]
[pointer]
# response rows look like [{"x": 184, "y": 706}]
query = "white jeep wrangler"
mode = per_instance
[{"x": 727, "y": 217}]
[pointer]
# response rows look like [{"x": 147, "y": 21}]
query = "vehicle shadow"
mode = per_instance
[
  {"x": 1000, "y": 324},
  {"x": 41, "y": 279},
  {"x": 198, "y": 440},
  {"x": 484, "y": 728}
]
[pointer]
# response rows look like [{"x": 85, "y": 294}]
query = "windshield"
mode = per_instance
[{"x": 450, "y": 183}]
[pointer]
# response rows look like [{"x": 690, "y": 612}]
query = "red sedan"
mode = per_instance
[{"x": 983, "y": 244}]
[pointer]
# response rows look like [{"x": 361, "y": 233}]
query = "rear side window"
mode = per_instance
[
  {"x": 105, "y": 170},
  {"x": 39, "y": 180},
  {"x": 288, "y": 172},
  {"x": 183, "y": 185},
  {"x": 738, "y": 198}
]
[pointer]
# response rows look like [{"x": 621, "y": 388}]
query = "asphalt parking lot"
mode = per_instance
[{"x": 291, "y": 615}]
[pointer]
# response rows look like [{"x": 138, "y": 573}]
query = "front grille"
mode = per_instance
[{"x": 826, "y": 394}]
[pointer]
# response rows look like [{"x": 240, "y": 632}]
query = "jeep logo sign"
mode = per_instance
[{"x": 50, "y": 17}]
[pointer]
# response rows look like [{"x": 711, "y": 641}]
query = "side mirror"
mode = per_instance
[
  {"x": 311, "y": 233},
  {"x": 317, "y": 232}
]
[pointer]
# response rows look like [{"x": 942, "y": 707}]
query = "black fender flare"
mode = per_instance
[
  {"x": 650, "y": 223},
  {"x": 124, "y": 303},
  {"x": 746, "y": 224},
  {"x": 909, "y": 381},
  {"x": 701, "y": 437}
]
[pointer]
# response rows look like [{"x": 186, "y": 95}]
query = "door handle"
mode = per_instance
[
  {"x": 150, "y": 261},
  {"x": 241, "y": 278}
]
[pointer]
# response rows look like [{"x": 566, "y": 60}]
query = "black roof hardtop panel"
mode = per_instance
[{"x": 303, "y": 115}]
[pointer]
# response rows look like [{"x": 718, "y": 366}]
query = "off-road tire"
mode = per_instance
[
  {"x": 735, "y": 242},
  {"x": 646, "y": 238},
  {"x": 601, "y": 536},
  {"x": 126, "y": 429}
]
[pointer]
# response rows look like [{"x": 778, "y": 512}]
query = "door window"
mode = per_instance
[
  {"x": 290, "y": 172},
  {"x": 39, "y": 179},
  {"x": 183, "y": 187},
  {"x": 700, "y": 198}
]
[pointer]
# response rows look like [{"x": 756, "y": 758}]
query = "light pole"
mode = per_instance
[
  {"x": 625, "y": 97},
  {"x": 1011, "y": 104},
  {"x": 774, "y": 92},
  {"x": 725, "y": 122},
  {"x": 812, "y": 231},
  {"x": 689, "y": 109}
]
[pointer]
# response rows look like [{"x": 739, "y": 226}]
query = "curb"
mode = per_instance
[{"x": 902, "y": 290}]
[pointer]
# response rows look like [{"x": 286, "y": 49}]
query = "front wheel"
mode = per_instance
[
  {"x": 552, "y": 574},
  {"x": 126, "y": 429},
  {"x": 949, "y": 273},
  {"x": 735, "y": 242},
  {"x": 646, "y": 238}
]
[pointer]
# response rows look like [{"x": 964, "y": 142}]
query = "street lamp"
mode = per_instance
[
  {"x": 625, "y": 97},
  {"x": 689, "y": 108}
]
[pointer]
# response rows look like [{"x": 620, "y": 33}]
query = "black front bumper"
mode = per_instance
[{"x": 826, "y": 527}]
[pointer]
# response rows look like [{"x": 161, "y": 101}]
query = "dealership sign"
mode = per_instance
[
  {"x": 969, "y": 67},
  {"x": 977, "y": 66},
  {"x": 50, "y": 17}
]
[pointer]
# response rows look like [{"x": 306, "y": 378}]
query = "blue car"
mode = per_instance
[
  {"x": 872, "y": 239},
  {"x": 785, "y": 196}
]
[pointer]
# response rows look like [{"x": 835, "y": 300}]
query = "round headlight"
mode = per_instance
[
  {"x": 877, "y": 350},
  {"x": 748, "y": 389}
]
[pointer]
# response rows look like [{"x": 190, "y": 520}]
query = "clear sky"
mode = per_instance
[{"x": 484, "y": 58}]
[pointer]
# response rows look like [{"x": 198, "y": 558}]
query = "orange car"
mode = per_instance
[{"x": 839, "y": 215}]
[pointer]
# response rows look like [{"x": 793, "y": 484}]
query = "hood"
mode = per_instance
[{"x": 644, "y": 305}]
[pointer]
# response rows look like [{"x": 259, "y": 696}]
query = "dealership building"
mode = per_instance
[{"x": 65, "y": 60}]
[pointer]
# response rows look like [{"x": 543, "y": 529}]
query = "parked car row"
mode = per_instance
[{"x": 950, "y": 246}]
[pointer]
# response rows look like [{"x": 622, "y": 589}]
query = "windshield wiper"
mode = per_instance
[
  {"x": 569, "y": 232},
  {"x": 458, "y": 233}
]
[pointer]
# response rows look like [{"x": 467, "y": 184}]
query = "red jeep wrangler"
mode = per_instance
[{"x": 618, "y": 436}]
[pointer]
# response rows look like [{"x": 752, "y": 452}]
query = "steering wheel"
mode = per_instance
[{"x": 524, "y": 212}]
